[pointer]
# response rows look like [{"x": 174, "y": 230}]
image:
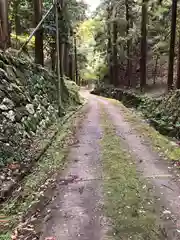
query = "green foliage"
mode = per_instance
[
  {"x": 6, "y": 236},
  {"x": 90, "y": 59},
  {"x": 19, "y": 40},
  {"x": 158, "y": 34},
  {"x": 21, "y": 15}
]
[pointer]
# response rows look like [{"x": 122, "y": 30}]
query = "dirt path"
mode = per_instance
[{"x": 77, "y": 210}]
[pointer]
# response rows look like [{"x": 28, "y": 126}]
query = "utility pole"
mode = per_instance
[{"x": 58, "y": 59}]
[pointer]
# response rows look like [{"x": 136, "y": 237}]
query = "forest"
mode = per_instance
[
  {"x": 137, "y": 43},
  {"x": 19, "y": 20},
  {"x": 89, "y": 119}
]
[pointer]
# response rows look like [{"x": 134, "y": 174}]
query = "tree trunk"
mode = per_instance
[
  {"x": 17, "y": 19},
  {"x": 4, "y": 25},
  {"x": 75, "y": 60},
  {"x": 17, "y": 25},
  {"x": 53, "y": 57},
  {"x": 178, "y": 67},
  {"x": 155, "y": 70},
  {"x": 61, "y": 49},
  {"x": 39, "y": 57},
  {"x": 129, "y": 43},
  {"x": 71, "y": 75},
  {"x": 172, "y": 45},
  {"x": 66, "y": 59},
  {"x": 71, "y": 59},
  {"x": 114, "y": 54},
  {"x": 143, "y": 45},
  {"x": 109, "y": 45}
]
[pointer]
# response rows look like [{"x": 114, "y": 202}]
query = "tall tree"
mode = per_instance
[
  {"x": 129, "y": 25},
  {"x": 109, "y": 44},
  {"x": 39, "y": 57},
  {"x": 172, "y": 45},
  {"x": 66, "y": 58},
  {"x": 17, "y": 22},
  {"x": 75, "y": 59},
  {"x": 143, "y": 45},
  {"x": 61, "y": 41},
  {"x": 178, "y": 66},
  {"x": 4, "y": 27},
  {"x": 71, "y": 71},
  {"x": 114, "y": 49}
]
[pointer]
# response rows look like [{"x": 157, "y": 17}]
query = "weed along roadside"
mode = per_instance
[
  {"x": 128, "y": 203},
  {"x": 35, "y": 191}
]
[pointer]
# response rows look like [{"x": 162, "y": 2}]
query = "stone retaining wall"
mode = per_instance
[{"x": 27, "y": 105}]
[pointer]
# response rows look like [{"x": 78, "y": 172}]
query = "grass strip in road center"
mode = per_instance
[{"x": 128, "y": 204}]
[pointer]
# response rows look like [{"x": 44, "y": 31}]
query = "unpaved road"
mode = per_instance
[{"x": 77, "y": 209}]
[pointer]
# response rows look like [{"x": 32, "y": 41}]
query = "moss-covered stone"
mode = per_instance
[{"x": 28, "y": 103}]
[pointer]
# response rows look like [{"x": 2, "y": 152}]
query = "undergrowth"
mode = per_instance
[{"x": 128, "y": 203}]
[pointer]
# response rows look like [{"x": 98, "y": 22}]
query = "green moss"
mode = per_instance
[
  {"x": 6, "y": 236},
  {"x": 128, "y": 203}
]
